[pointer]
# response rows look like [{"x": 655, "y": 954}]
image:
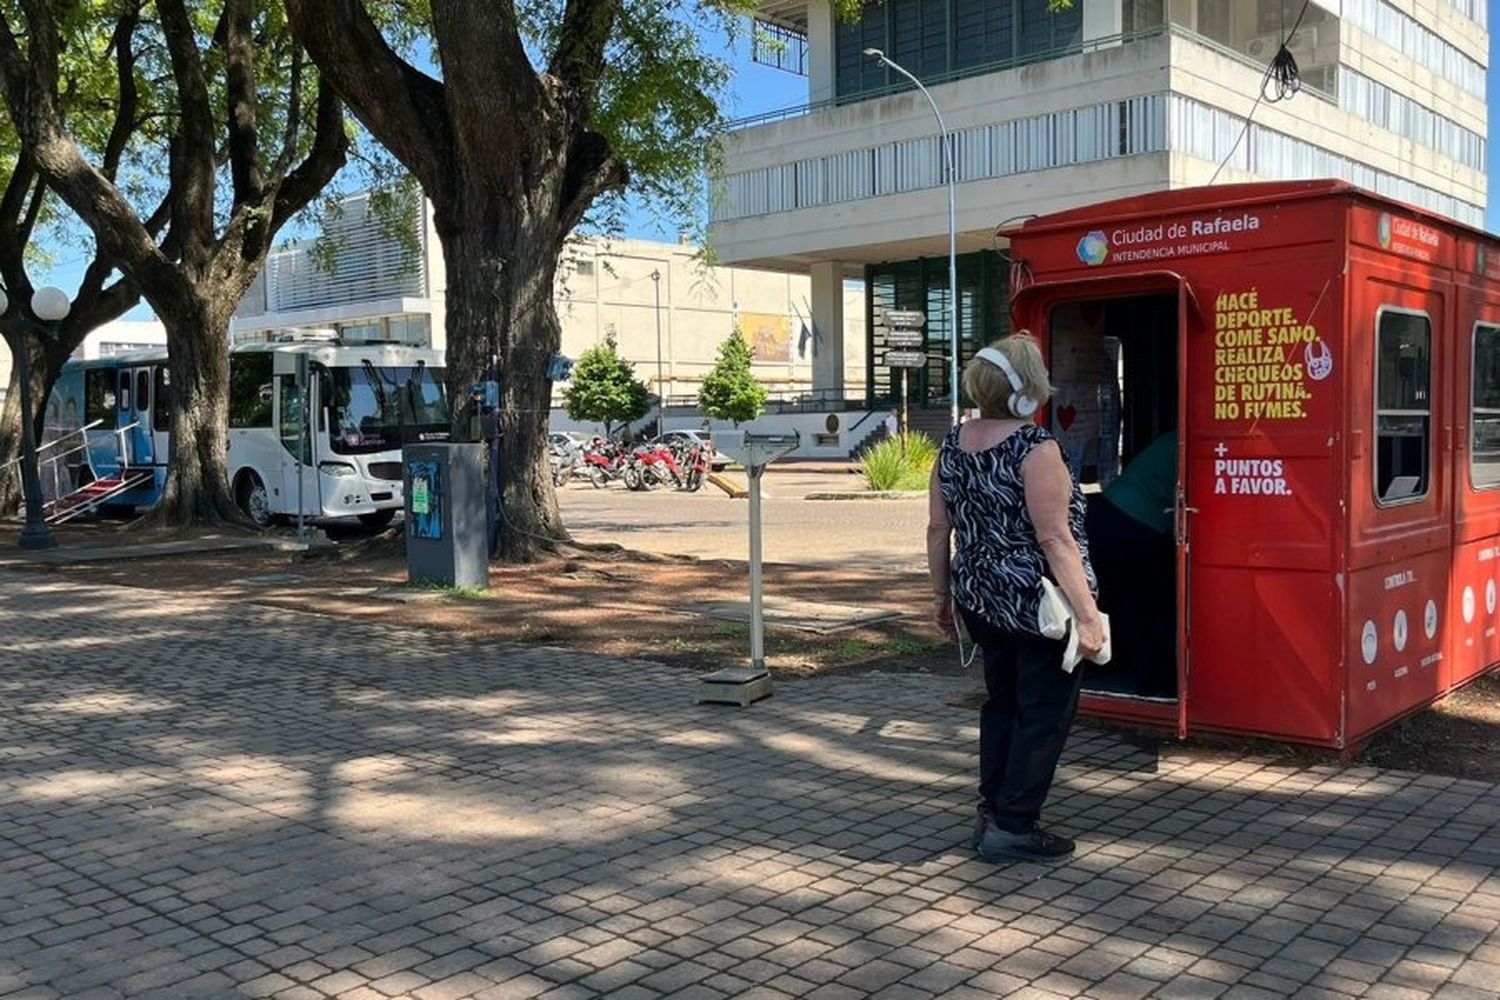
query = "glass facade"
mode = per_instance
[
  {"x": 945, "y": 38},
  {"x": 983, "y": 316}
]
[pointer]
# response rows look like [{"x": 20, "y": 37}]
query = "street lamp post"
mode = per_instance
[
  {"x": 886, "y": 60},
  {"x": 50, "y": 305},
  {"x": 661, "y": 385}
]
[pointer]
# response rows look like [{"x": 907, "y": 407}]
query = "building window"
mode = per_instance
[
  {"x": 1484, "y": 438},
  {"x": 585, "y": 268},
  {"x": 99, "y": 396},
  {"x": 922, "y": 285},
  {"x": 250, "y": 389},
  {"x": 1403, "y": 405},
  {"x": 944, "y": 38}
]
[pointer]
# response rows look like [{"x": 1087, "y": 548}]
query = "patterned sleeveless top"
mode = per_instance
[{"x": 998, "y": 564}]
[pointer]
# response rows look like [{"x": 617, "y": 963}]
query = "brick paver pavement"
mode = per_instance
[{"x": 202, "y": 799}]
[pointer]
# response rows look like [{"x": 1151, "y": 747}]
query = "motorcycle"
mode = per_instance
[
  {"x": 697, "y": 464},
  {"x": 603, "y": 464},
  {"x": 565, "y": 462},
  {"x": 652, "y": 466}
]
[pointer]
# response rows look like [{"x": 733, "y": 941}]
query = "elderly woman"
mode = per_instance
[{"x": 1002, "y": 490}]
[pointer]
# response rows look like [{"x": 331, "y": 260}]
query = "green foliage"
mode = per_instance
[
  {"x": 903, "y": 462},
  {"x": 730, "y": 392},
  {"x": 604, "y": 388}
]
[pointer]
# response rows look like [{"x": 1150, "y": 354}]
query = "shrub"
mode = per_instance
[{"x": 890, "y": 466}]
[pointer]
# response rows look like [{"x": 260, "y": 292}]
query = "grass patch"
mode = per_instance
[
  {"x": 857, "y": 649},
  {"x": 457, "y": 593},
  {"x": 901, "y": 463}
]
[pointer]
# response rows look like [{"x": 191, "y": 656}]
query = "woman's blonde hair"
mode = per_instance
[{"x": 989, "y": 387}]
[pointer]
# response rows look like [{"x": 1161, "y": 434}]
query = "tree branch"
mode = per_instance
[
  {"x": 403, "y": 108},
  {"x": 592, "y": 170},
  {"x": 192, "y": 153},
  {"x": 293, "y": 117},
  {"x": 579, "y": 57},
  {"x": 329, "y": 150},
  {"x": 487, "y": 78},
  {"x": 244, "y": 142},
  {"x": 34, "y": 114},
  {"x": 124, "y": 124}
]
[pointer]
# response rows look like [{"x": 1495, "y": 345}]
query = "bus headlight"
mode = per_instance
[{"x": 337, "y": 468}]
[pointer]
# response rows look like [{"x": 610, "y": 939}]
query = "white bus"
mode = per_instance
[{"x": 365, "y": 402}]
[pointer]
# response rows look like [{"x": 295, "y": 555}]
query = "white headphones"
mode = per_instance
[{"x": 1019, "y": 403}]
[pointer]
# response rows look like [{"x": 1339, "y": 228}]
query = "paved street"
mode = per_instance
[
  {"x": 859, "y": 534},
  {"x": 203, "y": 799}
]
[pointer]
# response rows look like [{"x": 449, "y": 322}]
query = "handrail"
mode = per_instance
[{"x": 54, "y": 443}]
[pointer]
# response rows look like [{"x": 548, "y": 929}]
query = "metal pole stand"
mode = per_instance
[
  {"x": 744, "y": 685},
  {"x": 37, "y": 533}
]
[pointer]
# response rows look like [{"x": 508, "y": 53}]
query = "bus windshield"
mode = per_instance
[{"x": 380, "y": 408}]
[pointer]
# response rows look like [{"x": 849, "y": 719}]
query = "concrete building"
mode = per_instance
[
  {"x": 369, "y": 281},
  {"x": 1052, "y": 111}
]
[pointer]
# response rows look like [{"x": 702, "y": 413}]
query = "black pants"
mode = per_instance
[{"x": 1024, "y": 722}]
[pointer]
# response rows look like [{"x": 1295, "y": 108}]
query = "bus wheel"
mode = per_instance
[
  {"x": 379, "y": 519},
  {"x": 254, "y": 500}
]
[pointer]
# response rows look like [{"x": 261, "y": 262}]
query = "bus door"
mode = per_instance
[
  {"x": 134, "y": 394},
  {"x": 299, "y": 473},
  {"x": 147, "y": 447}
]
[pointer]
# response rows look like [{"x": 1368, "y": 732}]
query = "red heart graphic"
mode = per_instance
[{"x": 1065, "y": 415}]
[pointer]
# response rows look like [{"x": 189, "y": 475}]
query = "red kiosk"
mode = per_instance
[{"x": 1331, "y": 362}]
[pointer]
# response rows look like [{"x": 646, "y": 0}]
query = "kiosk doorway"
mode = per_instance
[{"x": 1116, "y": 371}]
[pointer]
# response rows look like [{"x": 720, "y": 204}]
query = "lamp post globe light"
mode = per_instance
[
  {"x": 50, "y": 305},
  {"x": 943, "y": 138}
]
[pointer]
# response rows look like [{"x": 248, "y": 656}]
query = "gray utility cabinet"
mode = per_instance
[{"x": 447, "y": 536}]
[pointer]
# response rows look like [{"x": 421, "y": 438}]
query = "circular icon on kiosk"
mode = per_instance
[
  {"x": 1369, "y": 642},
  {"x": 1468, "y": 605},
  {"x": 1319, "y": 359},
  {"x": 1429, "y": 619},
  {"x": 1399, "y": 631},
  {"x": 1383, "y": 230},
  {"x": 1489, "y": 597}
]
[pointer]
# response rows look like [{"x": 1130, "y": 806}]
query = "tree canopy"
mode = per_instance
[
  {"x": 730, "y": 391},
  {"x": 604, "y": 388}
]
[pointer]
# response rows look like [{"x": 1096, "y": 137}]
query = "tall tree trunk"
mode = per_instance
[
  {"x": 197, "y": 488},
  {"x": 504, "y": 306}
]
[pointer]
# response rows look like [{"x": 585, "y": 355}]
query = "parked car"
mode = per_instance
[
  {"x": 688, "y": 438},
  {"x": 568, "y": 440}
]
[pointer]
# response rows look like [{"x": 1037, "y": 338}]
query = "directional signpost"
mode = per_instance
[{"x": 905, "y": 349}]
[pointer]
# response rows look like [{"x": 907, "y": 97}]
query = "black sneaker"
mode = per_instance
[
  {"x": 1035, "y": 844},
  {"x": 980, "y": 822}
]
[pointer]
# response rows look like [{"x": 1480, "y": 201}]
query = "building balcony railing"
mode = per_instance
[{"x": 1030, "y": 58}]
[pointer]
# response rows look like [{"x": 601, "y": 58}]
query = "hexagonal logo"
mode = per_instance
[{"x": 1093, "y": 249}]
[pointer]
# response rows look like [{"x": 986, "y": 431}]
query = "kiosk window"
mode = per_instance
[
  {"x": 1403, "y": 406},
  {"x": 250, "y": 390},
  {"x": 99, "y": 396},
  {"x": 1484, "y": 443}
]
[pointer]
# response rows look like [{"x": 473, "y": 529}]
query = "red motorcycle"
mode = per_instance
[
  {"x": 695, "y": 462},
  {"x": 603, "y": 463},
  {"x": 650, "y": 466}
]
